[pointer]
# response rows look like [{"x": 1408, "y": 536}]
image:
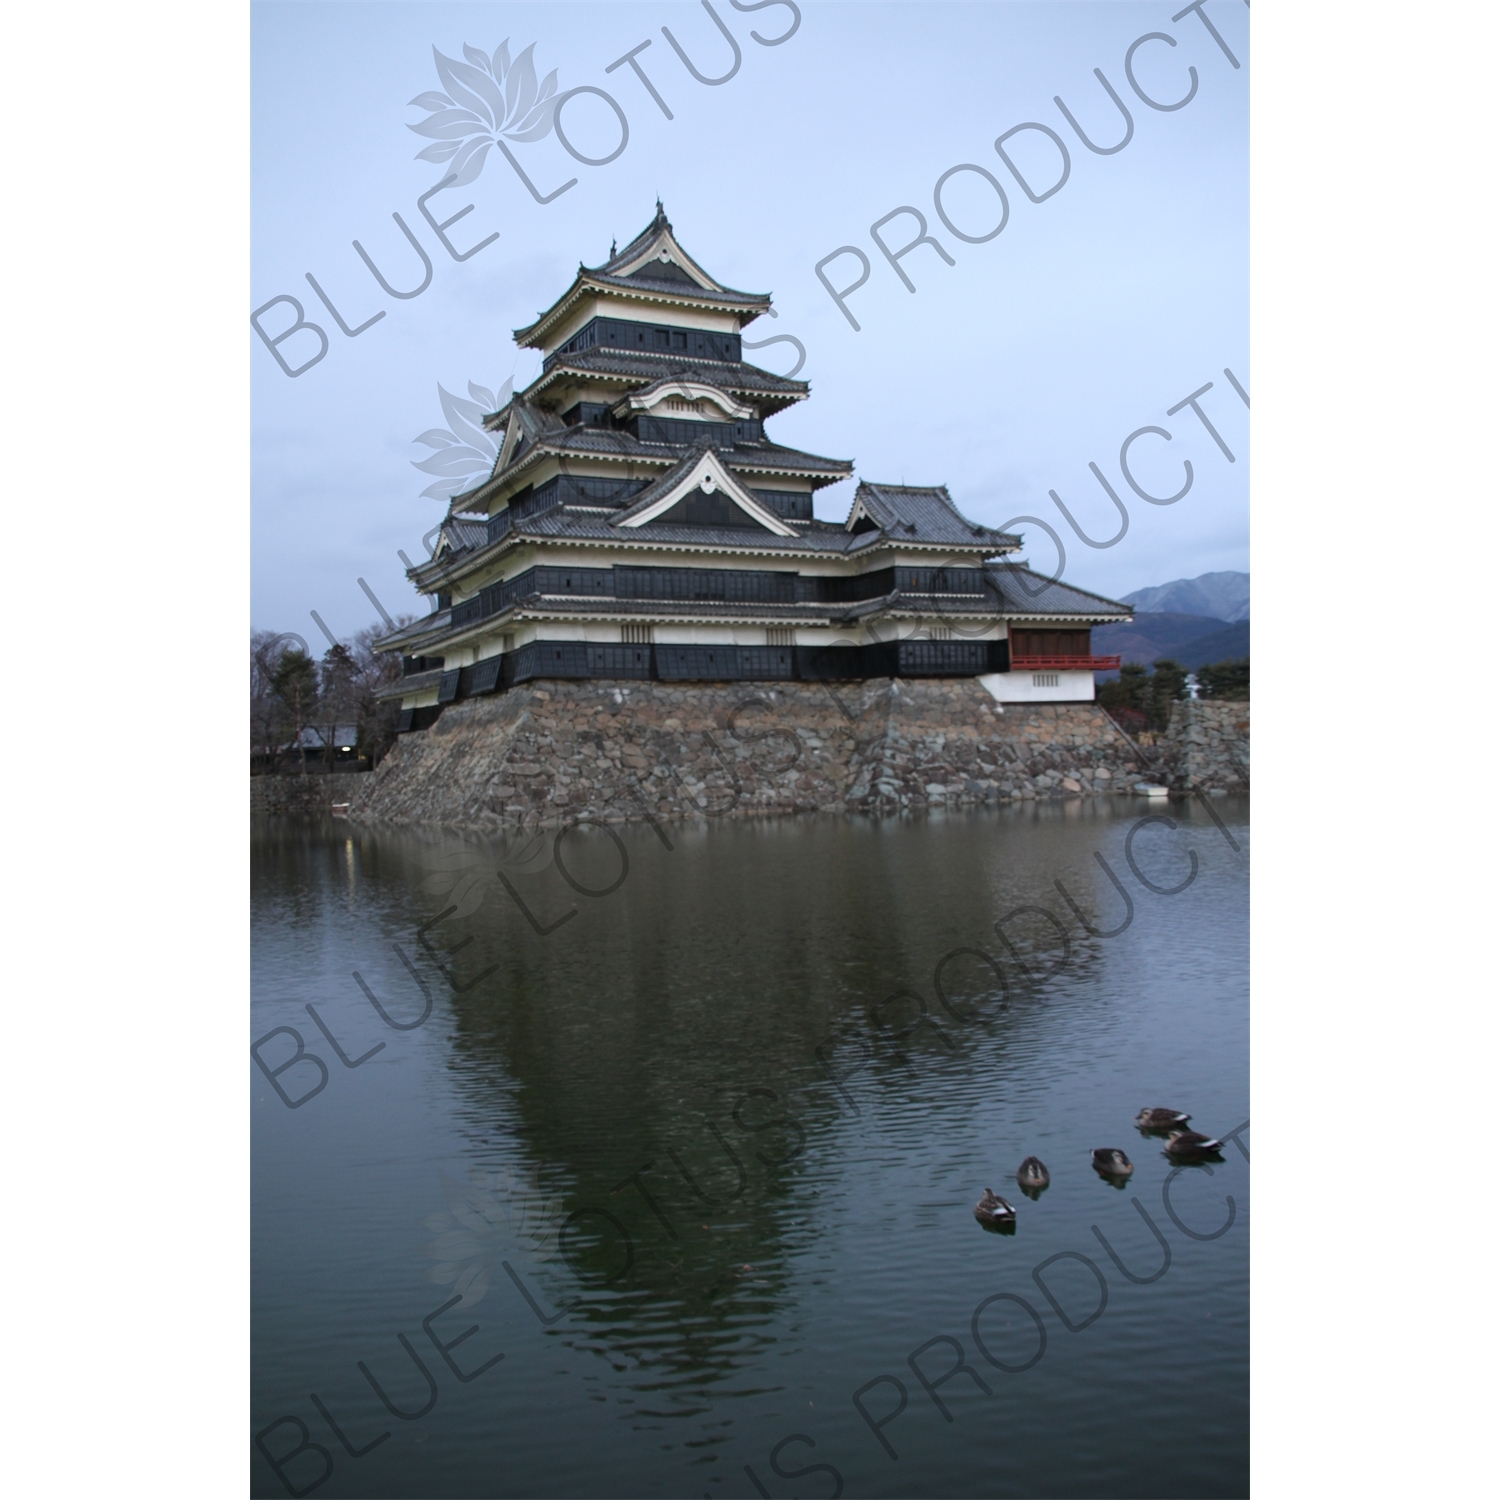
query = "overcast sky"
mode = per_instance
[{"x": 1003, "y": 376}]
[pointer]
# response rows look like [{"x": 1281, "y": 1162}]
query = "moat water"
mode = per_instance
[{"x": 700, "y": 1157}]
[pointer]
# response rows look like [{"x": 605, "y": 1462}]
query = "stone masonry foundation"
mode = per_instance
[
  {"x": 555, "y": 751},
  {"x": 1207, "y": 745}
]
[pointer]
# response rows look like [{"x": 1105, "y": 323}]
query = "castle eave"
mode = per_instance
[
  {"x": 746, "y": 306},
  {"x": 630, "y": 368}
]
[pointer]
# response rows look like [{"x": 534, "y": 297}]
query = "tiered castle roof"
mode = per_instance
[{"x": 639, "y": 456}]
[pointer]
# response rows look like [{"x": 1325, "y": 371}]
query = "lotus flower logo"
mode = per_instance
[
  {"x": 489, "y": 1218},
  {"x": 466, "y": 453},
  {"x": 488, "y": 97}
]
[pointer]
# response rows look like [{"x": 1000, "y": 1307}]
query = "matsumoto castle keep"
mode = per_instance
[{"x": 641, "y": 523}]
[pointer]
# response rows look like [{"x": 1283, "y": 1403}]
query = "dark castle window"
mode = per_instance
[
  {"x": 587, "y": 414},
  {"x": 649, "y": 338},
  {"x": 663, "y": 270},
  {"x": 684, "y": 430},
  {"x": 790, "y": 505},
  {"x": 699, "y": 509},
  {"x": 721, "y": 585},
  {"x": 563, "y": 489},
  {"x": 743, "y": 586}
]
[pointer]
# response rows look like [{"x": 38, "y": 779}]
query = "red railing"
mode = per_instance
[{"x": 1066, "y": 663}]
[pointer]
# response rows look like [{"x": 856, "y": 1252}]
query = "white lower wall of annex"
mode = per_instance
[{"x": 1039, "y": 687}]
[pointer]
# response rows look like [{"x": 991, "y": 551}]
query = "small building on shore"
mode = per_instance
[{"x": 641, "y": 523}]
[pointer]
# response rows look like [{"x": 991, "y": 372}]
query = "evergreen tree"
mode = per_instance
[
  {"x": 1168, "y": 684},
  {"x": 1131, "y": 690},
  {"x": 1226, "y": 680},
  {"x": 1142, "y": 699}
]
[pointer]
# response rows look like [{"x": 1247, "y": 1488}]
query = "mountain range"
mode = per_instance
[
  {"x": 1214, "y": 596},
  {"x": 1194, "y": 621}
]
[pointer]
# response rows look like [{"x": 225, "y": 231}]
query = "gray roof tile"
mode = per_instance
[
  {"x": 729, "y": 375},
  {"x": 464, "y": 536},
  {"x": 438, "y": 620},
  {"x": 659, "y": 227},
  {"x": 1023, "y": 592},
  {"x": 683, "y": 288},
  {"x": 925, "y": 514},
  {"x": 612, "y": 442},
  {"x": 565, "y": 521}
]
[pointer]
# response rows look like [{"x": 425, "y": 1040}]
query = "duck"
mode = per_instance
[
  {"x": 1032, "y": 1176},
  {"x": 1161, "y": 1119},
  {"x": 995, "y": 1213},
  {"x": 1190, "y": 1145},
  {"x": 1110, "y": 1161}
]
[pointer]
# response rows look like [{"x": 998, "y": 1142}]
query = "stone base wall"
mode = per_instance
[
  {"x": 310, "y": 794},
  {"x": 1207, "y": 744},
  {"x": 553, "y": 751}
]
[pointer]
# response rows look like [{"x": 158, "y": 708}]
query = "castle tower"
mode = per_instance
[{"x": 640, "y": 523}]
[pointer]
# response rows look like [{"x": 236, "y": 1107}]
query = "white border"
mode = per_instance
[
  {"x": 126, "y": 1099},
  {"x": 1373, "y": 345},
  {"x": 1373, "y": 1045}
]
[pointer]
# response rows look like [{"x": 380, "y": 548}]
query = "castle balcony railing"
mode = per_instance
[{"x": 1064, "y": 663}]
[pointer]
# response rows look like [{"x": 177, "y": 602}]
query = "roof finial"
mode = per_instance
[{"x": 612, "y": 251}]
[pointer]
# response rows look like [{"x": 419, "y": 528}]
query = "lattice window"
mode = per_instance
[
  {"x": 780, "y": 635},
  {"x": 939, "y": 632},
  {"x": 635, "y": 635},
  {"x": 1044, "y": 679}
]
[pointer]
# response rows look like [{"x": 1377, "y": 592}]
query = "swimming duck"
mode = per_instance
[
  {"x": 995, "y": 1213},
  {"x": 1110, "y": 1161},
  {"x": 1189, "y": 1145},
  {"x": 1161, "y": 1119},
  {"x": 1032, "y": 1176}
]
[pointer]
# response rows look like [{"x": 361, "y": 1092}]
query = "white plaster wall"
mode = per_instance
[
  {"x": 697, "y": 635},
  {"x": 1018, "y": 687},
  {"x": 597, "y": 631},
  {"x": 704, "y": 403},
  {"x": 964, "y": 628},
  {"x": 813, "y": 635}
]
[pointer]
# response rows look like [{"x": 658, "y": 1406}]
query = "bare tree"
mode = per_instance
[
  {"x": 338, "y": 698},
  {"x": 264, "y": 708},
  {"x": 290, "y": 692},
  {"x": 270, "y": 714},
  {"x": 295, "y": 685},
  {"x": 376, "y": 670}
]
